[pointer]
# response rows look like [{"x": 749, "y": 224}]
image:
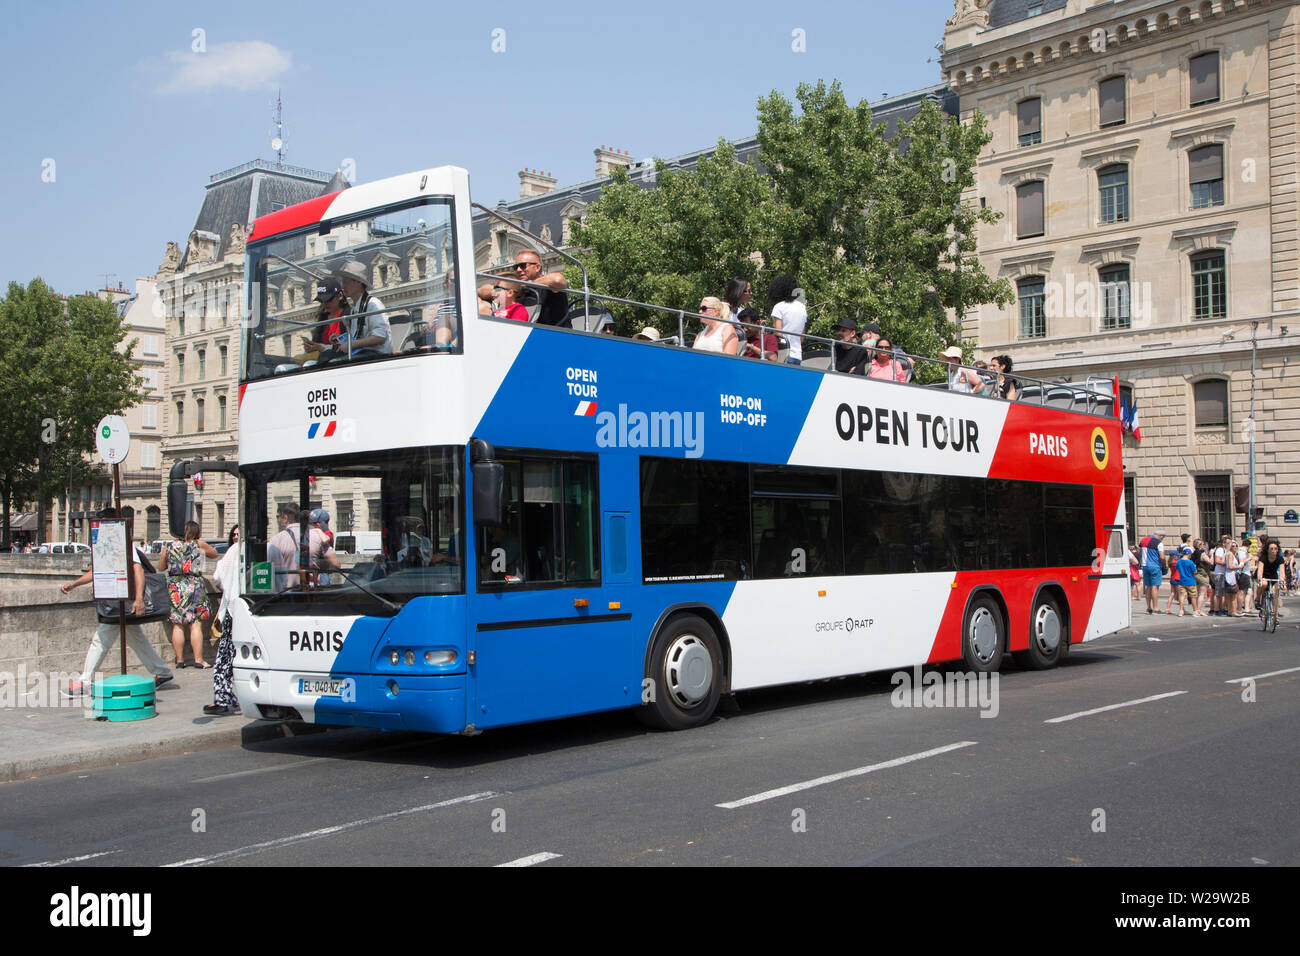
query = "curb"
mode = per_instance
[{"x": 253, "y": 732}]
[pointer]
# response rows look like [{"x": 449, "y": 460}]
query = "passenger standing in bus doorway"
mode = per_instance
[
  {"x": 282, "y": 550},
  {"x": 552, "y": 303},
  {"x": 1152, "y": 560},
  {"x": 369, "y": 327}
]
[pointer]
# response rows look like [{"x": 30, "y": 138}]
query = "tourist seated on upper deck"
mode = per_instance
[
  {"x": 549, "y": 306},
  {"x": 719, "y": 334},
  {"x": 511, "y": 307},
  {"x": 365, "y": 324},
  {"x": 487, "y": 298},
  {"x": 886, "y": 365},
  {"x": 329, "y": 320},
  {"x": 771, "y": 344},
  {"x": 849, "y": 356},
  {"x": 1004, "y": 385},
  {"x": 961, "y": 379}
]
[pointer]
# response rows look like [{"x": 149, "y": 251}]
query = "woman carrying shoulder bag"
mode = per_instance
[{"x": 183, "y": 561}]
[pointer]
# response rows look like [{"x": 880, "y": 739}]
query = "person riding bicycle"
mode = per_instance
[{"x": 1270, "y": 566}]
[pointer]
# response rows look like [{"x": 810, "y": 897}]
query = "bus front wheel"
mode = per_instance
[
  {"x": 984, "y": 636},
  {"x": 684, "y": 675}
]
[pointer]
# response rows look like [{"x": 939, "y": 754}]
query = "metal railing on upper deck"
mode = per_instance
[{"x": 1094, "y": 397}]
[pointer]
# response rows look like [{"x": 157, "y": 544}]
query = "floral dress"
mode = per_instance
[{"x": 185, "y": 583}]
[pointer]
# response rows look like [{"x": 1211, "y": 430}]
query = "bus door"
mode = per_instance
[
  {"x": 1111, "y": 608},
  {"x": 550, "y": 639}
]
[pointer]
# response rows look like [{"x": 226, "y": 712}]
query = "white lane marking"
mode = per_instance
[
  {"x": 330, "y": 831},
  {"x": 74, "y": 859},
  {"x": 1127, "y": 703},
  {"x": 249, "y": 773},
  {"x": 1242, "y": 680},
  {"x": 844, "y": 775},
  {"x": 531, "y": 860}
]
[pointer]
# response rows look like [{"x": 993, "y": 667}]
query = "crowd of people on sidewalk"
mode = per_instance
[{"x": 1225, "y": 578}]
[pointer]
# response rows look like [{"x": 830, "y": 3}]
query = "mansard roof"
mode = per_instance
[{"x": 1005, "y": 12}]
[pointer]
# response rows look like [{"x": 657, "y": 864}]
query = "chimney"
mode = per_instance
[
  {"x": 608, "y": 157},
  {"x": 534, "y": 182}
]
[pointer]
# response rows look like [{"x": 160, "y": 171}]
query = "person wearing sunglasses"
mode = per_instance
[
  {"x": 719, "y": 334},
  {"x": 552, "y": 303}
]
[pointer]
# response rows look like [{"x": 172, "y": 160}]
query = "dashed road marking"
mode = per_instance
[
  {"x": 532, "y": 860},
  {"x": 1099, "y": 710},
  {"x": 844, "y": 775},
  {"x": 1242, "y": 680}
]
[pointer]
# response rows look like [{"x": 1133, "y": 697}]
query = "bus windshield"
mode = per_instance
[
  {"x": 388, "y": 528},
  {"x": 351, "y": 291}
]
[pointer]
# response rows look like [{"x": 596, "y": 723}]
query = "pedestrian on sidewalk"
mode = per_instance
[
  {"x": 107, "y": 633},
  {"x": 224, "y": 702},
  {"x": 1152, "y": 560},
  {"x": 1188, "y": 590},
  {"x": 184, "y": 563}
]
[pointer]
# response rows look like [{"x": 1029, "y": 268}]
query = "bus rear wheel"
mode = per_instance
[
  {"x": 1049, "y": 636},
  {"x": 685, "y": 675},
  {"x": 984, "y": 636}
]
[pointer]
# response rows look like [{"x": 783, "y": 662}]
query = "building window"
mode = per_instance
[
  {"x": 1114, "y": 298},
  {"x": 222, "y": 352},
  {"x": 200, "y": 414},
  {"x": 221, "y": 520},
  {"x": 1030, "y": 125},
  {"x": 203, "y": 364},
  {"x": 1214, "y": 503},
  {"x": 150, "y": 345},
  {"x": 1209, "y": 286},
  {"x": 180, "y": 325},
  {"x": 221, "y": 412},
  {"x": 1206, "y": 165},
  {"x": 1130, "y": 501},
  {"x": 180, "y": 416},
  {"x": 1113, "y": 181},
  {"x": 198, "y": 516},
  {"x": 180, "y": 367},
  {"x": 153, "y": 522},
  {"x": 1110, "y": 97},
  {"x": 149, "y": 416},
  {"x": 1035, "y": 9},
  {"x": 150, "y": 378},
  {"x": 343, "y": 514},
  {"x": 1029, "y": 210},
  {"x": 148, "y": 455},
  {"x": 1210, "y": 399},
  {"x": 1033, "y": 315},
  {"x": 1204, "y": 71}
]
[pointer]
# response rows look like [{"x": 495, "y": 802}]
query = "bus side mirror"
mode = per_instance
[{"x": 489, "y": 487}]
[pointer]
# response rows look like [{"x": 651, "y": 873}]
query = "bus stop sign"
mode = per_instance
[{"x": 112, "y": 440}]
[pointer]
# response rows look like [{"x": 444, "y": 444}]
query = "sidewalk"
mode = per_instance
[{"x": 59, "y": 736}]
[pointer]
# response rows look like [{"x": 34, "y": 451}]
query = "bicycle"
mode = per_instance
[{"x": 1268, "y": 607}]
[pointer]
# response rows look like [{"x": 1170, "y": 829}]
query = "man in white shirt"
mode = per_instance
[{"x": 367, "y": 322}]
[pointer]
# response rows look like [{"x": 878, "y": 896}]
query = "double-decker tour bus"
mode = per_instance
[{"x": 562, "y": 522}]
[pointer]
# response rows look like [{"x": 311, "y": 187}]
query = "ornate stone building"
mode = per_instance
[
  {"x": 201, "y": 293},
  {"x": 1145, "y": 156}
]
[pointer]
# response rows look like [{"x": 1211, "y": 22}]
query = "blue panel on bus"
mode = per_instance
[{"x": 594, "y": 393}]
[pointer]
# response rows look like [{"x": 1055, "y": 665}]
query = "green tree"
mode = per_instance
[
  {"x": 870, "y": 227},
  {"x": 671, "y": 244},
  {"x": 62, "y": 360}
]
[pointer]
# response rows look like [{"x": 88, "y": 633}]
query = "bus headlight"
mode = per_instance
[
  {"x": 243, "y": 651},
  {"x": 409, "y": 658},
  {"x": 394, "y": 657},
  {"x": 439, "y": 658},
  {"x": 257, "y": 653}
]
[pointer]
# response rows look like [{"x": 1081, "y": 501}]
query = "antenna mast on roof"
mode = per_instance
[{"x": 277, "y": 136}]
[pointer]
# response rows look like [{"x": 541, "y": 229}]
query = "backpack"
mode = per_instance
[{"x": 157, "y": 599}]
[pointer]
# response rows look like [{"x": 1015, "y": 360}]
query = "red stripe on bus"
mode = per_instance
[{"x": 293, "y": 217}]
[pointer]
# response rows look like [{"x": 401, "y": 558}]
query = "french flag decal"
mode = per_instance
[
  {"x": 585, "y": 409},
  {"x": 329, "y": 429}
]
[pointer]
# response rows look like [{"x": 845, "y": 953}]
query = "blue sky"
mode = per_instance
[{"x": 135, "y": 121}]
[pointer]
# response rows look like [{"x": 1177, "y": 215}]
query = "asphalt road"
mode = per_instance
[{"x": 829, "y": 774}]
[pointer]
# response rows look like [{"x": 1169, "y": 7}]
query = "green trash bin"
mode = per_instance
[{"x": 123, "y": 697}]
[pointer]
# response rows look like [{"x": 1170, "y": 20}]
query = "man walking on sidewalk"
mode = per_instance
[
  {"x": 1152, "y": 561},
  {"x": 107, "y": 632}
]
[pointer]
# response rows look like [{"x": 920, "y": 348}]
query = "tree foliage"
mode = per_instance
[
  {"x": 872, "y": 228},
  {"x": 65, "y": 372}
]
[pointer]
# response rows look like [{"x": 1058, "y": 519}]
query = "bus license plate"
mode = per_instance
[{"x": 316, "y": 687}]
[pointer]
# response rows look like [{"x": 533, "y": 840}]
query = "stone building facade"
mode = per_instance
[
  {"x": 201, "y": 290},
  {"x": 1144, "y": 154}
]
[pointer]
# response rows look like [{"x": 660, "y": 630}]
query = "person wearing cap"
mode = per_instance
[
  {"x": 871, "y": 334},
  {"x": 1187, "y": 590},
  {"x": 750, "y": 336},
  {"x": 849, "y": 356},
  {"x": 367, "y": 319},
  {"x": 329, "y": 321},
  {"x": 648, "y": 334},
  {"x": 961, "y": 379},
  {"x": 320, "y": 543},
  {"x": 1152, "y": 561}
]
